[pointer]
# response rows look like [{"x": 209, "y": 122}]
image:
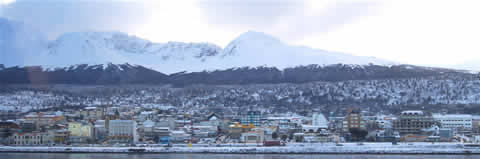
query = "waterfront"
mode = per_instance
[
  {"x": 319, "y": 148},
  {"x": 220, "y": 156}
]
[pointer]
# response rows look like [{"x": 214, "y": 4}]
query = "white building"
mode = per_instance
[
  {"x": 33, "y": 138},
  {"x": 180, "y": 136},
  {"x": 123, "y": 131},
  {"x": 283, "y": 123},
  {"x": 455, "y": 121},
  {"x": 319, "y": 120}
]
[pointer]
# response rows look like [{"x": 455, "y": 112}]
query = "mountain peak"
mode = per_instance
[
  {"x": 254, "y": 36},
  {"x": 249, "y": 39}
]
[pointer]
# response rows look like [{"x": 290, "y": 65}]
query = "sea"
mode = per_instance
[{"x": 219, "y": 156}]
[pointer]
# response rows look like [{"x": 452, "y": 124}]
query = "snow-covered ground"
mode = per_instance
[{"x": 327, "y": 148}]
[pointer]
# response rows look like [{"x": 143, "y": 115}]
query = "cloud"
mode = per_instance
[
  {"x": 5, "y": 2},
  {"x": 291, "y": 20},
  {"x": 248, "y": 13},
  {"x": 55, "y": 17}
]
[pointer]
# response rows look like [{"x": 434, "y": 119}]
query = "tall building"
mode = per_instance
[
  {"x": 123, "y": 131},
  {"x": 353, "y": 119},
  {"x": 412, "y": 122},
  {"x": 251, "y": 117}
]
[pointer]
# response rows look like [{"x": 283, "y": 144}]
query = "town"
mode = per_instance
[{"x": 170, "y": 126}]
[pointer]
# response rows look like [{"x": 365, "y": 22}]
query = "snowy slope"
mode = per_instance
[
  {"x": 23, "y": 46},
  {"x": 270, "y": 51},
  {"x": 113, "y": 47}
]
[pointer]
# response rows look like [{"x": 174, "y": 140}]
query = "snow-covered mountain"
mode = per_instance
[
  {"x": 119, "y": 48},
  {"x": 258, "y": 49},
  {"x": 23, "y": 46}
]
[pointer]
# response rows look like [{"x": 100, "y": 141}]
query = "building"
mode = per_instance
[
  {"x": 213, "y": 119},
  {"x": 27, "y": 126},
  {"x": 155, "y": 130},
  {"x": 251, "y": 117},
  {"x": 319, "y": 119},
  {"x": 99, "y": 130},
  {"x": 123, "y": 131},
  {"x": 150, "y": 115},
  {"x": 445, "y": 134},
  {"x": 42, "y": 119},
  {"x": 92, "y": 113},
  {"x": 7, "y": 129},
  {"x": 61, "y": 136},
  {"x": 413, "y": 122},
  {"x": 257, "y": 135},
  {"x": 204, "y": 131},
  {"x": 33, "y": 138},
  {"x": 284, "y": 124},
  {"x": 180, "y": 137},
  {"x": 462, "y": 122},
  {"x": 80, "y": 132},
  {"x": 352, "y": 120},
  {"x": 235, "y": 130},
  {"x": 8, "y": 115}
]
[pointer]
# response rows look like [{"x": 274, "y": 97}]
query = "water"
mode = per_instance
[{"x": 219, "y": 156}]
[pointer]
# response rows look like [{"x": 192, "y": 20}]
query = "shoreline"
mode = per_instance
[{"x": 348, "y": 148}]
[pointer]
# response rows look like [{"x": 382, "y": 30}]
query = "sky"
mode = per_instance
[{"x": 440, "y": 33}]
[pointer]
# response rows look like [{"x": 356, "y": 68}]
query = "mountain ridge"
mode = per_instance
[
  {"x": 137, "y": 74},
  {"x": 250, "y": 49}
]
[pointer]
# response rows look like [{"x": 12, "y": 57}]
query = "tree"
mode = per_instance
[
  {"x": 358, "y": 134},
  {"x": 274, "y": 135},
  {"x": 290, "y": 137},
  {"x": 284, "y": 137}
]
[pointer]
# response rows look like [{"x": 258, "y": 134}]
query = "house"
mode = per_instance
[{"x": 213, "y": 120}]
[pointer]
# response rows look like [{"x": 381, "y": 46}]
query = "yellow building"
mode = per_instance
[{"x": 79, "y": 130}]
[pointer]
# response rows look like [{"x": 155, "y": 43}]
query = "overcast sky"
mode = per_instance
[{"x": 422, "y": 32}]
